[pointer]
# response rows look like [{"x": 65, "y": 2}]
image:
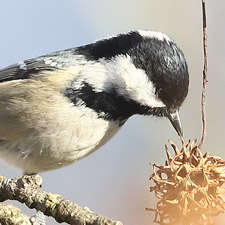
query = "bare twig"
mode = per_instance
[
  {"x": 204, "y": 75},
  {"x": 27, "y": 190}
]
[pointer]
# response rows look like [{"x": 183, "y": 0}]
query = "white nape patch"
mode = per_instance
[
  {"x": 154, "y": 34},
  {"x": 22, "y": 65}
]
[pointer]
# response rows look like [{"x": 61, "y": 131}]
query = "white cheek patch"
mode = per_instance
[
  {"x": 120, "y": 73},
  {"x": 133, "y": 82}
]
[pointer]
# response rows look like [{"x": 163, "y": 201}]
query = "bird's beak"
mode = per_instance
[{"x": 175, "y": 120}]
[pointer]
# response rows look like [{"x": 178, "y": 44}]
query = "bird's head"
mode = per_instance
[
  {"x": 166, "y": 68},
  {"x": 140, "y": 72}
]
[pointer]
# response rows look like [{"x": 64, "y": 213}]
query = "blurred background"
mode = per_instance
[{"x": 114, "y": 181}]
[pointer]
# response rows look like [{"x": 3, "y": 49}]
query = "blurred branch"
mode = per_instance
[
  {"x": 203, "y": 102},
  {"x": 9, "y": 218},
  {"x": 27, "y": 190}
]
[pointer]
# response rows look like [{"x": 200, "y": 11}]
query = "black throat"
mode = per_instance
[{"x": 109, "y": 106}]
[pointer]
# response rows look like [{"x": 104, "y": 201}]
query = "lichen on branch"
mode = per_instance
[{"x": 27, "y": 189}]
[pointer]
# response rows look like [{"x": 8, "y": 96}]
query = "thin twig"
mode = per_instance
[{"x": 204, "y": 75}]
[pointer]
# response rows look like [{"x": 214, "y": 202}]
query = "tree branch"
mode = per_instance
[
  {"x": 9, "y": 218},
  {"x": 205, "y": 69},
  {"x": 27, "y": 190}
]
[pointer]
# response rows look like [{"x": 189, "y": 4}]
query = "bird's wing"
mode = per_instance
[
  {"x": 23, "y": 70},
  {"x": 33, "y": 67}
]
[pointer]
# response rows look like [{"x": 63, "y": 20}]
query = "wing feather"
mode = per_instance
[{"x": 31, "y": 67}]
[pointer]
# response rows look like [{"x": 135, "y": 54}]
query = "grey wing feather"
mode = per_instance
[
  {"x": 29, "y": 68},
  {"x": 23, "y": 70}
]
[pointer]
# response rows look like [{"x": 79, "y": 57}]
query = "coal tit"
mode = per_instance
[{"x": 60, "y": 107}]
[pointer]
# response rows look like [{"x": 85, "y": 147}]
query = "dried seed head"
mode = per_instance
[{"x": 189, "y": 187}]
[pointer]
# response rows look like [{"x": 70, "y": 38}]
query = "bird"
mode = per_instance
[{"x": 58, "y": 108}]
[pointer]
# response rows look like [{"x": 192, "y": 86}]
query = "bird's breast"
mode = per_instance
[{"x": 45, "y": 135}]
